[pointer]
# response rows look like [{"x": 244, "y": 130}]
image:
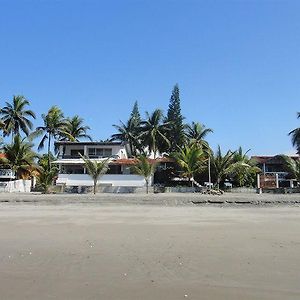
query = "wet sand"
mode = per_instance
[{"x": 90, "y": 251}]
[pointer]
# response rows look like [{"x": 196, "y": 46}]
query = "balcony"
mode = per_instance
[
  {"x": 7, "y": 174},
  {"x": 89, "y": 156}
]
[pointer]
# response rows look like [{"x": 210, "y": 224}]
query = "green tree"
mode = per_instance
[
  {"x": 75, "y": 130},
  {"x": 19, "y": 157},
  {"x": 46, "y": 178},
  {"x": 295, "y": 135},
  {"x": 135, "y": 115},
  {"x": 95, "y": 169},
  {"x": 16, "y": 117},
  {"x": 154, "y": 132},
  {"x": 196, "y": 134},
  {"x": 53, "y": 128},
  {"x": 292, "y": 166},
  {"x": 145, "y": 168},
  {"x": 174, "y": 117},
  {"x": 244, "y": 169},
  {"x": 127, "y": 134},
  {"x": 191, "y": 160},
  {"x": 221, "y": 165}
]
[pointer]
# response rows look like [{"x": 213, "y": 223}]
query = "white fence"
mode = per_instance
[
  {"x": 106, "y": 179},
  {"x": 16, "y": 186}
]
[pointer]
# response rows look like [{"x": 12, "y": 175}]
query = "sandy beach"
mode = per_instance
[{"x": 129, "y": 251}]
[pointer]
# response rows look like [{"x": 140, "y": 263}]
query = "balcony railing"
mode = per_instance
[
  {"x": 7, "y": 173},
  {"x": 89, "y": 156}
]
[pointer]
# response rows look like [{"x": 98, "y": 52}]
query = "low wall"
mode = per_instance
[
  {"x": 106, "y": 189},
  {"x": 16, "y": 186},
  {"x": 281, "y": 190},
  {"x": 243, "y": 190},
  {"x": 106, "y": 179}
]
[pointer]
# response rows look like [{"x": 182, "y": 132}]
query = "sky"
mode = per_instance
[{"x": 237, "y": 63}]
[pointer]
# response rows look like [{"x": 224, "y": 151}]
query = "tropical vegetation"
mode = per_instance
[
  {"x": 144, "y": 167},
  {"x": 152, "y": 135}
]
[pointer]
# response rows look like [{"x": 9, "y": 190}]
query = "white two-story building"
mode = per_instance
[{"x": 73, "y": 173}]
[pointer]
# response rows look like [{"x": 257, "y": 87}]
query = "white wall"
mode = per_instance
[
  {"x": 16, "y": 186},
  {"x": 109, "y": 179}
]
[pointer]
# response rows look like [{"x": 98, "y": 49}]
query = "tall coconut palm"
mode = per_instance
[
  {"x": 191, "y": 159},
  {"x": 292, "y": 166},
  {"x": 53, "y": 128},
  {"x": 75, "y": 129},
  {"x": 95, "y": 169},
  {"x": 153, "y": 132},
  {"x": 127, "y": 132},
  {"x": 295, "y": 134},
  {"x": 19, "y": 157},
  {"x": 221, "y": 165},
  {"x": 196, "y": 133},
  {"x": 16, "y": 117},
  {"x": 145, "y": 168}
]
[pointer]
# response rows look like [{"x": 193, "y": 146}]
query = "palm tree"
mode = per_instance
[
  {"x": 46, "y": 177},
  {"x": 127, "y": 132},
  {"x": 95, "y": 169},
  {"x": 292, "y": 166},
  {"x": 295, "y": 134},
  {"x": 191, "y": 159},
  {"x": 16, "y": 117},
  {"x": 196, "y": 133},
  {"x": 153, "y": 132},
  {"x": 145, "y": 168},
  {"x": 244, "y": 169},
  {"x": 19, "y": 157},
  {"x": 53, "y": 128},
  {"x": 75, "y": 130},
  {"x": 221, "y": 165}
]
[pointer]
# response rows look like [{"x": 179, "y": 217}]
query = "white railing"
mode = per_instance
[{"x": 6, "y": 173}]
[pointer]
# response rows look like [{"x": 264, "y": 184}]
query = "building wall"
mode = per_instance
[
  {"x": 106, "y": 179},
  {"x": 16, "y": 186},
  {"x": 118, "y": 150}
]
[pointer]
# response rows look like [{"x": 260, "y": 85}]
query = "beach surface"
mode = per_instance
[{"x": 129, "y": 251}]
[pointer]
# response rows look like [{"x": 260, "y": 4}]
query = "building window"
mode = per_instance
[{"x": 100, "y": 152}]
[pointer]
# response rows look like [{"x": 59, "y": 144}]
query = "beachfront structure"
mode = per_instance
[
  {"x": 273, "y": 172},
  {"x": 73, "y": 173}
]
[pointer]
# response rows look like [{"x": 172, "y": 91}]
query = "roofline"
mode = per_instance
[{"x": 58, "y": 143}]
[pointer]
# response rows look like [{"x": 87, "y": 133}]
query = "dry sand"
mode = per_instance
[{"x": 91, "y": 251}]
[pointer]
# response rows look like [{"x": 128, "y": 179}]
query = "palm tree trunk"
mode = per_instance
[
  {"x": 95, "y": 185},
  {"x": 147, "y": 186},
  {"x": 49, "y": 144}
]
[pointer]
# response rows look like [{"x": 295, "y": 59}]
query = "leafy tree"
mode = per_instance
[
  {"x": 145, "y": 168},
  {"x": 191, "y": 159},
  {"x": 53, "y": 128},
  {"x": 75, "y": 130},
  {"x": 135, "y": 115},
  {"x": 15, "y": 117},
  {"x": 46, "y": 177},
  {"x": 292, "y": 166},
  {"x": 244, "y": 169},
  {"x": 221, "y": 165},
  {"x": 175, "y": 118},
  {"x": 295, "y": 134},
  {"x": 126, "y": 133},
  {"x": 19, "y": 157},
  {"x": 129, "y": 132},
  {"x": 43, "y": 160},
  {"x": 95, "y": 169},
  {"x": 154, "y": 132},
  {"x": 196, "y": 133}
]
